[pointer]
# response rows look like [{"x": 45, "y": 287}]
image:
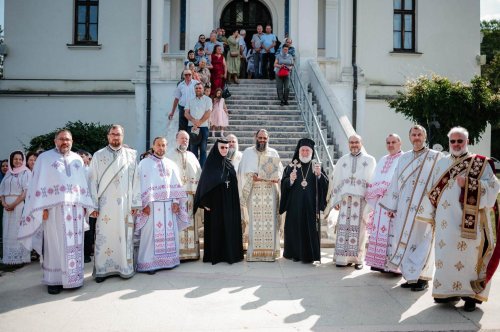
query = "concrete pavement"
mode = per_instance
[{"x": 196, "y": 296}]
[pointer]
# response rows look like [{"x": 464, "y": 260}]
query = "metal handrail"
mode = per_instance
[{"x": 308, "y": 111}]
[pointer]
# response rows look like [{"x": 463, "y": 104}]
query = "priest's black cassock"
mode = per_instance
[
  {"x": 218, "y": 191},
  {"x": 301, "y": 201}
]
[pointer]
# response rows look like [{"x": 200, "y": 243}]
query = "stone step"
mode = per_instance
[
  {"x": 275, "y": 107},
  {"x": 249, "y": 116},
  {"x": 271, "y": 127},
  {"x": 262, "y": 93},
  {"x": 275, "y": 140},
  {"x": 262, "y": 115},
  {"x": 263, "y": 112},
  {"x": 251, "y": 121},
  {"x": 272, "y": 100}
]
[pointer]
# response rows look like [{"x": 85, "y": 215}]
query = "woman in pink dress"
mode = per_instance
[
  {"x": 219, "y": 118},
  {"x": 219, "y": 69}
]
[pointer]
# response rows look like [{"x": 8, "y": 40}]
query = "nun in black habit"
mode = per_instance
[
  {"x": 303, "y": 195},
  {"x": 217, "y": 195}
]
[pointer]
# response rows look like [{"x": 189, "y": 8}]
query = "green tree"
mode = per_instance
[
  {"x": 490, "y": 46},
  {"x": 427, "y": 100},
  {"x": 86, "y": 136}
]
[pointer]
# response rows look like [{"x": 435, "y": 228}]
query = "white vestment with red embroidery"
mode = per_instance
[
  {"x": 59, "y": 185},
  {"x": 159, "y": 231},
  {"x": 379, "y": 223}
]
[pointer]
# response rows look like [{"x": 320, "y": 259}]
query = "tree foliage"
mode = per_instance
[
  {"x": 86, "y": 136},
  {"x": 426, "y": 100},
  {"x": 490, "y": 46}
]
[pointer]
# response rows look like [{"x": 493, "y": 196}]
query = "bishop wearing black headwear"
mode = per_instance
[
  {"x": 217, "y": 194},
  {"x": 303, "y": 194}
]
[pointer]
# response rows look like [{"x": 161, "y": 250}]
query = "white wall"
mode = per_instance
[
  {"x": 36, "y": 33},
  {"x": 24, "y": 117},
  {"x": 447, "y": 35}
]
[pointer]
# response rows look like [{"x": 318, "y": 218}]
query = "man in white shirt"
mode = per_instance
[
  {"x": 197, "y": 112},
  {"x": 183, "y": 92}
]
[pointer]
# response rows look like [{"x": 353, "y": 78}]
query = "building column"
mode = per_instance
[
  {"x": 157, "y": 26},
  {"x": 167, "y": 5},
  {"x": 199, "y": 20},
  {"x": 345, "y": 41},
  {"x": 332, "y": 28},
  {"x": 302, "y": 29}
]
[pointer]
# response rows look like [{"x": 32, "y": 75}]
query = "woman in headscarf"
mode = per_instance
[
  {"x": 217, "y": 194},
  {"x": 12, "y": 193}
]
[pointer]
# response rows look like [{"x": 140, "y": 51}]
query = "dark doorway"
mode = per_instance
[{"x": 245, "y": 14}]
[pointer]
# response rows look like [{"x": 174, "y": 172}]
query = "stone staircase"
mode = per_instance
[{"x": 253, "y": 105}]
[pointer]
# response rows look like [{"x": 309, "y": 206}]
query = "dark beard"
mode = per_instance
[{"x": 261, "y": 147}]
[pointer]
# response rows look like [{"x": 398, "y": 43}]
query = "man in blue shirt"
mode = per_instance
[{"x": 268, "y": 42}]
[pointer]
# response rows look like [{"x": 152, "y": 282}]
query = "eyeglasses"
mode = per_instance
[
  {"x": 459, "y": 141},
  {"x": 187, "y": 74},
  {"x": 224, "y": 147},
  {"x": 202, "y": 37}
]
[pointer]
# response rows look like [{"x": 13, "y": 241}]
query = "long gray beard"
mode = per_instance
[
  {"x": 261, "y": 147},
  {"x": 182, "y": 148},
  {"x": 305, "y": 160},
  {"x": 230, "y": 153},
  {"x": 459, "y": 153}
]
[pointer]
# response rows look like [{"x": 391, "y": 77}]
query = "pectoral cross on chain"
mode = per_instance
[
  {"x": 227, "y": 183},
  {"x": 352, "y": 178},
  {"x": 295, "y": 164}
]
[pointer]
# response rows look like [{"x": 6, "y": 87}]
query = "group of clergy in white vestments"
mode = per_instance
[{"x": 420, "y": 214}]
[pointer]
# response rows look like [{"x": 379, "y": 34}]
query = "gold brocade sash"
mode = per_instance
[
  {"x": 423, "y": 165},
  {"x": 111, "y": 172},
  {"x": 473, "y": 166}
]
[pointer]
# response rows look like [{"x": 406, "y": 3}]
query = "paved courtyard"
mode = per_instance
[{"x": 281, "y": 296}]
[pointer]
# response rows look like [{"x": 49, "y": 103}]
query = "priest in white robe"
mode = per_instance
[
  {"x": 458, "y": 206},
  {"x": 114, "y": 186},
  {"x": 379, "y": 224},
  {"x": 164, "y": 212},
  {"x": 259, "y": 199},
  {"x": 234, "y": 154},
  {"x": 54, "y": 214},
  {"x": 189, "y": 172},
  {"x": 351, "y": 177},
  {"x": 410, "y": 246}
]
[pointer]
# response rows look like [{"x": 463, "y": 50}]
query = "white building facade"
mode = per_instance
[{"x": 85, "y": 60}]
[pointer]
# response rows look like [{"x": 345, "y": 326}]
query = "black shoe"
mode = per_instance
[
  {"x": 282, "y": 103},
  {"x": 87, "y": 259},
  {"x": 358, "y": 266},
  {"x": 339, "y": 265},
  {"x": 421, "y": 285},
  {"x": 295, "y": 259},
  {"x": 407, "y": 285},
  {"x": 286, "y": 103},
  {"x": 99, "y": 279},
  {"x": 151, "y": 272},
  {"x": 53, "y": 290},
  {"x": 372, "y": 268},
  {"x": 447, "y": 299},
  {"x": 470, "y": 305}
]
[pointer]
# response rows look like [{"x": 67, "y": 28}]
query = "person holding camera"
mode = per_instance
[{"x": 283, "y": 65}]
